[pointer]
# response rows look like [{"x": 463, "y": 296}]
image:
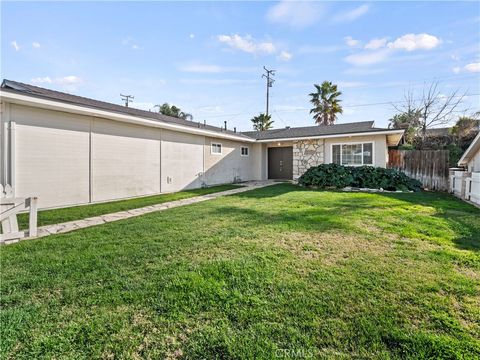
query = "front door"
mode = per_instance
[{"x": 280, "y": 162}]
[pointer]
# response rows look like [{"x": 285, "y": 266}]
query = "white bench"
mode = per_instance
[{"x": 10, "y": 206}]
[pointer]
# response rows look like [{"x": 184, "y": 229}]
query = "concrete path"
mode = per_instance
[{"x": 121, "y": 215}]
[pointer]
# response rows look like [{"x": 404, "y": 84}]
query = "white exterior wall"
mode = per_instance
[
  {"x": 125, "y": 160},
  {"x": 67, "y": 159},
  {"x": 51, "y": 156},
  {"x": 474, "y": 163},
  {"x": 182, "y": 161},
  {"x": 380, "y": 148},
  {"x": 230, "y": 166}
]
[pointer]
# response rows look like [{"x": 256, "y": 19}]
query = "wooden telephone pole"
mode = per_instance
[
  {"x": 126, "y": 98},
  {"x": 269, "y": 77}
]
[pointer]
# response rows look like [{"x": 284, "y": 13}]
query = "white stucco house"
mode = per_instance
[
  {"x": 69, "y": 150},
  {"x": 465, "y": 181},
  {"x": 470, "y": 159}
]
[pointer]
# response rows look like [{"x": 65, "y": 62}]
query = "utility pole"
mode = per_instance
[
  {"x": 268, "y": 75},
  {"x": 126, "y": 98}
]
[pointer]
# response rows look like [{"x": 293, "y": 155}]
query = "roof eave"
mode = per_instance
[
  {"x": 351, "y": 134},
  {"x": 41, "y": 102},
  {"x": 475, "y": 145}
]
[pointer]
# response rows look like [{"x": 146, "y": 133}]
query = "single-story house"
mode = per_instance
[
  {"x": 69, "y": 150},
  {"x": 471, "y": 157},
  {"x": 465, "y": 182}
]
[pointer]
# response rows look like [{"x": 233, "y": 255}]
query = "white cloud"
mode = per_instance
[
  {"x": 191, "y": 36},
  {"x": 36, "y": 45},
  {"x": 352, "y": 14},
  {"x": 285, "y": 56},
  {"x": 375, "y": 44},
  {"x": 41, "y": 80},
  {"x": 69, "y": 80},
  {"x": 368, "y": 58},
  {"x": 351, "y": 41},
  {"x": 378, "y": 50},
  {"x": 473, "y": 67},
  {"x": 247, "y": 44},
  {"x": 455, "y": 57},
  {"x": 297, "y": 14},
  {"x": 410, "y": 42},
  {"x": 66, "y": 80},
  {"x": 456, "y": 69},
  {"x": 214, "y": 69},
  {"x": 15, "y": 45},
  {"x": 130, "y": 42}
]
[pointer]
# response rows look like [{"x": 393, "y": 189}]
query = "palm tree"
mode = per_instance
[
  {"x": 172, "y": 110},
  {"x": 262, "y": 122},
  {"x": 326, "y": 104}
]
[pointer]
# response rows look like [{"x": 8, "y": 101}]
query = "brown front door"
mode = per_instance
[{"x": 280, "y": 163}]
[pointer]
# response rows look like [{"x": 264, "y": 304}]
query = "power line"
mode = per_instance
[
  {"x": 127, "y": 98},
  {"x": 369, "y": 104},
  {"x": 268, "y": 76}
]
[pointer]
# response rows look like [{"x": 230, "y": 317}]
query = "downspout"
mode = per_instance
[{"x": 8, "y": 149}]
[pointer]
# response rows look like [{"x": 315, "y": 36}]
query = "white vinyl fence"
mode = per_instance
[
  {"x": 465, "y": 185},
  {"x": 10, "y": 207}
]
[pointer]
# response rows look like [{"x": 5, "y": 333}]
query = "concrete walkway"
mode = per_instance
[{"x": 121, "y": 215}]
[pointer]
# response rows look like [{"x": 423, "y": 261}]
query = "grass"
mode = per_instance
[
  {"x": 55, "y": 216},
  {"x": 275, "y": 272}
]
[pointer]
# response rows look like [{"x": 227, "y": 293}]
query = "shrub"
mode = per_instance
[{"x": 338, "y": 176}]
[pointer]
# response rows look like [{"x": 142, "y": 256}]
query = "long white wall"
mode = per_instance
[{"x": 68, "y": 159}]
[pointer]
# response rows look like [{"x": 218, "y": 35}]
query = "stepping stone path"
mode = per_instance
[{"x": 121, "y": 215}]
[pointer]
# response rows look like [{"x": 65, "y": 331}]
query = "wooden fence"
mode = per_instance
[{"x": 428, "y": 166}]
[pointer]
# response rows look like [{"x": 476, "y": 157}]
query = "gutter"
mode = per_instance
[
  {"x": 27, "y": 100},
  {"x": 82, "y": 110},
  {"x": 385, "y": 132},
  {"x": 475, "y": 142}
]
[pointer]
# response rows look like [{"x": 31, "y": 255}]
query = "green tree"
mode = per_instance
[
  {"x": 172, "y": 110},
  {"x": 409, "y": 121},
  {"x": 466, "y": 126},
  {"x": 262, "y": 122},
  {"x": 326, "y": 104}
]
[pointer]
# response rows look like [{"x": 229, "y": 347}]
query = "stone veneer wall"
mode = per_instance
[{"x": 307, "y": 153}]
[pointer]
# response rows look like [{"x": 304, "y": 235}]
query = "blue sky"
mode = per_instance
[{"x": 207, "y": 57}]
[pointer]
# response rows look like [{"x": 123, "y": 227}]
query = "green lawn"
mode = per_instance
[
  {"x": 278, "y": 272},
  {"x": 55, "y": 216}
]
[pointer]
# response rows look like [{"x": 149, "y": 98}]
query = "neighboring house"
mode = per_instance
[
  {"x": 471, "y": 157},
  {"x": 466, "y": 183},
  {"x": 68, "y": 149}
]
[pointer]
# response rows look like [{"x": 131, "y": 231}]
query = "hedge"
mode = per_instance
[{"x": 339, "y": 176}]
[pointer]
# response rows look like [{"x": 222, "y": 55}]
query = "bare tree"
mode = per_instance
[{"x": 434, "y": 107}]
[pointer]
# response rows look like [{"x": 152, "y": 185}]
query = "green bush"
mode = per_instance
[{"x": 338, "y": 176}]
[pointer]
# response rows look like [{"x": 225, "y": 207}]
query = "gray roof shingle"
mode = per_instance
[
  {"x": 284, "y": 133},
  {"x": 317, "y": 130},
  {"x": 18, "y": 87}
]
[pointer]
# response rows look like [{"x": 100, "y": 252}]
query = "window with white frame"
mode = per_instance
[
  {"x": 216, "y": 148},
  {"x": 244, "y": 151},
  {"x": 353, "y": 154}
]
